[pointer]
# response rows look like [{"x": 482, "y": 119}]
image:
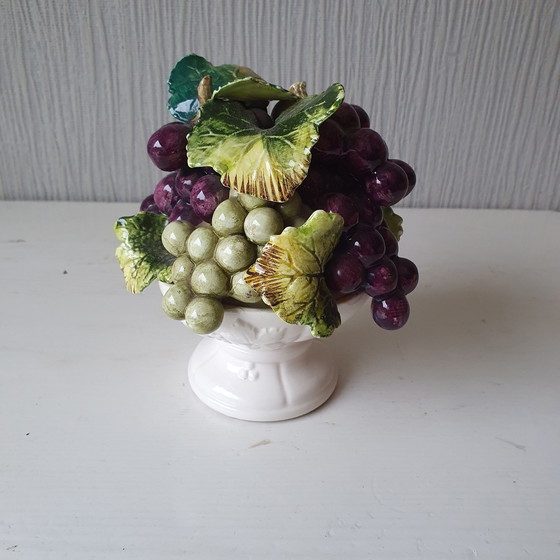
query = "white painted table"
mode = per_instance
[{"x": 442, "y": 440}]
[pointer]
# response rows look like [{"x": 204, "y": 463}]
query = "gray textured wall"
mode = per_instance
[{"x": 466, "y": 91}]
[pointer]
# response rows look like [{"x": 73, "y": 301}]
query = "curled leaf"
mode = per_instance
[
  {"x": 141, "y": 254},
  {"x": 268, "y": 163},
  {"x": 252, "y": 89},
  {"x": 289, "y": 273}
]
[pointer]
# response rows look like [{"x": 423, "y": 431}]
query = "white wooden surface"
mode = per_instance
[
  {"x": 467, "y": 91},
  {"x": 442, "y": 440}
]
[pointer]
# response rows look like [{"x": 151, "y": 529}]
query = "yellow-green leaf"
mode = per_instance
[
  {"x": 289, "y": 273},
  {"x": 141, "y": 255},
  {"x": 393, "y": 221},
  {"x": 252, "y": 89},
  {"x": 269, "y": 163}
]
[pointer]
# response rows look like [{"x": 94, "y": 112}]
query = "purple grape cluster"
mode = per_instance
[
  {"x": 351, "y": 174},
  {"x": 186, "y": 194}
]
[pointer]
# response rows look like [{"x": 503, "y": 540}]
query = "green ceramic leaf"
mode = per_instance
[
  {"x": 289, "y": 273},
  {"x": 270, "y": 163},
  {"x": 185, "y": 77},
  {"x": 393, "y": 221},
  {"x": 251, "y": 89},
  {"x": 228, "y": 80},
  {"x": 141, "y": 253}
]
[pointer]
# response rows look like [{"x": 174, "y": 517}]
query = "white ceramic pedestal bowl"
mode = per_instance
[{"x": 257, "y": 367}]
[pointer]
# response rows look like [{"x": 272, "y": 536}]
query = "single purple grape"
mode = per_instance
[
  {"x": 365, "y": 243},
  {"x": 369, "y": 145},
  {"x": 148, "y": 201},
  {"x": 148, "y": 205},
  {"x": 408, "y": 274},
  {"x": 410, "y": 174},
  {"x": 165, "y": 195},
  {"x": 167, "y": 146},
  {"x": 365, "y": 209},
  {"x": 381, "y": 278},
  {"x": 183, "y": 212},
  {"x": 264, "y": 120},
  {"x": 392, "y": 312},
  {"x": 377, "y": 215},
  {"x": 362, "y": 115},
  {"x": 206, "y": 194},
  {"x": 355, "y": 164},
  {"x": 340, "y": 182},
  {"x": 387, "y": 184},
  {"x": 256, "y": 104},
  {"x": 331, "y": 138},
  {"x": 207, "y": 170},
  {"x": 315, "y": 185},
  {"x": 184, "y": 181},
  {"x": 391, "y": 243},
  {"x": 338, "y": 203},
  {"x": 344, "y": 274},
  {"x": 346, "y": 117}
]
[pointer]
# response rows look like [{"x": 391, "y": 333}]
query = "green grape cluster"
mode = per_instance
[{"x": 211, "y": 260}]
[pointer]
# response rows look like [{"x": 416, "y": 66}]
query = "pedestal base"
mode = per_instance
[{"x": 262, "y": 385}]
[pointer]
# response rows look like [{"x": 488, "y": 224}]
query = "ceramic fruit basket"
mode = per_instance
[{"x": 272, "y": 225}]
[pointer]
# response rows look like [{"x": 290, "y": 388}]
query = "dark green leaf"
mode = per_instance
[{"x": 228, "y": 80}]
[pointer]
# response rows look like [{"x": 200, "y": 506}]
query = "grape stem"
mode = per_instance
[
  {"x": 204, "y": 90},
  {"x": 299, "y": 89}
]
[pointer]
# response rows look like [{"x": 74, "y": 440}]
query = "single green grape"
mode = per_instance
[
  {"x": 291, "y": 208},
  {"x": 204, "y": 315},
  {"x": 301, "y": 217},
  {"x": 261, "y": 223},
  {"x": 305, "y": 212},
  {"x": 297, "y": 221},
  {"x": 241, "y": 291},
  {"x": 182, "y": 269},
  {"x": 201, "y": 244},
  {"x": 250, "y": 202},
  {"x": 175, "y": 236},
  {"x": 228, "y": 217},
  {"x": 176, "y": 299},
  {"x": 235, "y": 252},
  {"x": 208, "y": 279}
]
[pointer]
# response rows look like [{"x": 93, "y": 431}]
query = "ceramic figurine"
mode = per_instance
[{"x": 269, "y": 228}]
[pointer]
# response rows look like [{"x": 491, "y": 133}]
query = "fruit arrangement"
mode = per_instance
[{"x": 288, "y": 208}]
